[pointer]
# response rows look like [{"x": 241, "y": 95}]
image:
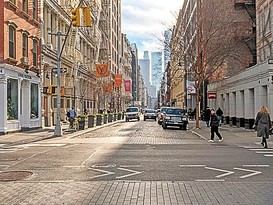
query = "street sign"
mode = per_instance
[{"x": 63, "y": 70}]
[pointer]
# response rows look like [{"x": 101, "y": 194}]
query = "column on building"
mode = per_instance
[
  {"x": 232, "y": 108},
  {"x": 240, "y": 111},
  {"x": 3, "y": 102},
  {"x": 226, "y": 107},
  {"x": 249, "y": 107},
  {"x": 25, "y": 120}
]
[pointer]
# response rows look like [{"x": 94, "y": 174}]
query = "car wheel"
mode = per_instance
[
  {"x": 164, "y": 126},
  {"x": 155, "y": 119},
  {"x": 138, "y": 119}
]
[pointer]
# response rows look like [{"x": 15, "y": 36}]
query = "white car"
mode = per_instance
[
  {"x": 132, "y": 113},
  {"x": 149, "y": 114}
]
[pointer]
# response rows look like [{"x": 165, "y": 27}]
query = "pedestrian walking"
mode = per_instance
[
  {"x": 214, "y": 125},
  {"x": 219, "y": 114},
  {"x": 207, "y": 114},
  {"x": 72, "y": 115},
  {"x": 262, "y": 125}
]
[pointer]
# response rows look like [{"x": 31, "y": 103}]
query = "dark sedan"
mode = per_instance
[{"x": 175, "y": 117}]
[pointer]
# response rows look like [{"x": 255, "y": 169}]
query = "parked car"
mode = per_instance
[
  {"x": 175, "y": 117},
  {"x": 160, "y": 114},
  {"x": 132, "y": 113},
  {"x": 149, "y": 114}
]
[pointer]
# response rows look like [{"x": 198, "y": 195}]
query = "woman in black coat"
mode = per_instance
[
  {"x": 263, "y": 125},
  {"x": 214, "y": 124}
]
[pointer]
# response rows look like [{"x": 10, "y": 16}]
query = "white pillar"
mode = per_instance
[
  {"x": 3, "y": 103},
  {"x": 26, "y": 103}
]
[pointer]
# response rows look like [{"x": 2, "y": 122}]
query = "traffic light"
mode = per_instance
[
  {"x": 87, "y": 16},
  {"x": 75, "y": 17}
]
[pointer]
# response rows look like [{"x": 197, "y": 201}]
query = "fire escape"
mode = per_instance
[{"x": 250, "y": 40}]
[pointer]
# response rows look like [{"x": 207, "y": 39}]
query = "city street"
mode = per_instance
[{"x": 138, "y": 162}]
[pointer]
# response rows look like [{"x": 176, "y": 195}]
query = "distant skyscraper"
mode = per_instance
[
  {"x": 166, "y": 54},
  {"x": 145, "y": 68},
  {"x": 156, "y": 64}
]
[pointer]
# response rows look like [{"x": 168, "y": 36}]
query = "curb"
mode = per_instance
[{"x": 198, "y": 135}]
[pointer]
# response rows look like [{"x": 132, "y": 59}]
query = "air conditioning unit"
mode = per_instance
[{"x": 25, "y": 60}]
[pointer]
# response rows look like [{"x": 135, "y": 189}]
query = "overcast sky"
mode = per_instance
[{"x": 144, "y": 21}]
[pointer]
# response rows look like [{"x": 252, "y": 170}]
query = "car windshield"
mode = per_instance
[
  {"x": 163, "y": 109},
  {"x": 150, "y": 111},
  {"x": 132, "y": 109},
  {"x": 174, "y": 111}
]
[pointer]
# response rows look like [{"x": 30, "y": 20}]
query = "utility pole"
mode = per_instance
[{"x": 58, "y": 129}]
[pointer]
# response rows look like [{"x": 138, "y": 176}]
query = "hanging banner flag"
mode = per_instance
[
  {"x": 127, "y": 85},
  {"x": 108, "y": 88},
  {"x": 102, "y": 70},
  {"x": 118, "y": 80}
]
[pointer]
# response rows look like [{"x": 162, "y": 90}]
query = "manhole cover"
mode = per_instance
[{"x": 14, "y": 175}]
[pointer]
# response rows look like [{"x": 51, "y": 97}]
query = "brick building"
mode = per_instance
[{"x": 20, "y": 84}]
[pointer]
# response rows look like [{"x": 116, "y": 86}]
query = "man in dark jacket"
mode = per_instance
[
  {"x": 207, "y": 116},
  {"x": 219, "y": 114},
  {"x": 214, "y": 124}
]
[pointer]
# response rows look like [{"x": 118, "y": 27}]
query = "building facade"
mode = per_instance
[
  {"x": 156, "y": 68},
  {"x": 20, "y": 65},
  {"x": 242, "y": 96}
]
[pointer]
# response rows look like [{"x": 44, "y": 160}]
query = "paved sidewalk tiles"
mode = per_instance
[{"x": 126, "y": 192}]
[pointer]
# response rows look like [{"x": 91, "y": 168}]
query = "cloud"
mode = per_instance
[{"x": 145, "y": 21}]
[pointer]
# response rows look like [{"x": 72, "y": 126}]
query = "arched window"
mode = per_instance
[
  {"x": 25, "y": 6},
  {"x": 25, "y": 45},
  {"x": 12, "y": 38},
  {"x": 34, "y": 9},
  {"x": 35, "y": 52}
]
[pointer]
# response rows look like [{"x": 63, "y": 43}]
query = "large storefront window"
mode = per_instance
[
  {"x": 12, "y": 99},
  {"x": 34, "y": 101}
]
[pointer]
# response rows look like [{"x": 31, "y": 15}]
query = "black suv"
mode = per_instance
[{"x": 175, "y": 117}]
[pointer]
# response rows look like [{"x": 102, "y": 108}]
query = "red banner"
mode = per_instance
[
  {"x": 128, "y": 85},
  {"x": 118, "y": 80}
]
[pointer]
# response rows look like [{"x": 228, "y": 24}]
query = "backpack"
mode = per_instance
[{"x": 68, "y": 114}]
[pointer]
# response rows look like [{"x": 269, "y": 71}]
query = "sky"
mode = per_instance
[{"x": 144, "y": 21}]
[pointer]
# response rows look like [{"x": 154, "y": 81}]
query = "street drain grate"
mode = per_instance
[{"x": 14, "y": 175}]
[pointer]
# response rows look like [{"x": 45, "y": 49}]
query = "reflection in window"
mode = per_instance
[
  {"x": 12, "y": 99},
  {"x": 34, "y": 101}
]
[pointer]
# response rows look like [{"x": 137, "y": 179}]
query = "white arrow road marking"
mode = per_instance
[
  {"x": 220, "y": 170},
  {"x": 192, "y": 165},
  {"x": 265, "y": 152},
  {"x": 128, "y": 175},
  {"x": 102, "y": 175},
  {"x": 256, "y": 165},
  {"x": 261, "y": 149},
  {"x": 248, "y": 170}
]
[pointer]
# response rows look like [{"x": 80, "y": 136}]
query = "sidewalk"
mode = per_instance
[{"x": 44, "y": 133}]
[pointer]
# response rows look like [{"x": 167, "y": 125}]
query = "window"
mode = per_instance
[
  {"x": 25, "y": 45},
  {"x": 11, "y": 42},
  {"x": 25, "y": 6},
  {"x": 35, "y": 48},
  {"x": 35, "y": 10},
  {"x": 12, "y": 99},
  {"x": 34, "y": 101}
]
